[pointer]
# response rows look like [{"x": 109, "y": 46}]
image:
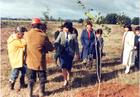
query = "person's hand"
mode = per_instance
[{"x": 135, "y": 48}]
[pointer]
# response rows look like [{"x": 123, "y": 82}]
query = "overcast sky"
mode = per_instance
[{"x": 67, "y": 9}]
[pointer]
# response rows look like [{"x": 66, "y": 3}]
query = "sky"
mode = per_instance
[{"x": 66, "y": 9}]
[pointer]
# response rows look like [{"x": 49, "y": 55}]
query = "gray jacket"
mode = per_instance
[{"x": 61, "y": 39}]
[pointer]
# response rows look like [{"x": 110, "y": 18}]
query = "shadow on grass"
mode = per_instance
[
  {"x": 84, "y": 78},
  {"x": 111, "y": 62}
]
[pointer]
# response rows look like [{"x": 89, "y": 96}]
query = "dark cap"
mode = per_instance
[{"x": 21, "y": 29}]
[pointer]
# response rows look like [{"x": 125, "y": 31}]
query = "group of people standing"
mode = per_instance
[{"x": 27, "y": 51}]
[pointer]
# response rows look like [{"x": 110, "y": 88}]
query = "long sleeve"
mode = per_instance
[{"x": 82, "y": 38}]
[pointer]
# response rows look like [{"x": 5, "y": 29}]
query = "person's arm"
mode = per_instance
[
  {"x": 82, "y": 38},
  {"x": 130, "y": 40},
  {"x": 20, "y": 43},
  {"x": 48, "y": 45},
  {"x": 58, "y": 38}
]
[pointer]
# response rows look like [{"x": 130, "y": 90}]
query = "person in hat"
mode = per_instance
[
  {"x": 137, "y": 46},
  {"x": 36, "y": 51},
  {"x": 73, "y": 30},
  {"x": 16, "y": 46},
  {"x": 128, "y": 45},
  {"x": 66, "y": 42}
]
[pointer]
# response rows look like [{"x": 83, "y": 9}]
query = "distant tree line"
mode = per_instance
[
  {"x": 111, "y": 18},
  {"x": 114, "y": 18},
  {"x": 6, "y": 18}
]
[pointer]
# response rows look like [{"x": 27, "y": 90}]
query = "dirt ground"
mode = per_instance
[
  {"x": 84, "y": 81},
  {"x": 110, "y": 90}
]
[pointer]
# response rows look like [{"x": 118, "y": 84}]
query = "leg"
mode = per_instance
[
  {"x": 22, "y": 78},
  {"x": 42, "y": 77},
  {"x": 65, "y": 75},
  {"x": 31, "y": 74},
  {"x": 14, "y": 75}
]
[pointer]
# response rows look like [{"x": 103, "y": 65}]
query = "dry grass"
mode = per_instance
[{"x": 112, "y": 70}]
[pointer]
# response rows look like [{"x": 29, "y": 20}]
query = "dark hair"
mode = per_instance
[
  {"x": 128, "y": 26},
  {"x": 68, "y": 24},
  {"x": 43, "y": 27},
  {"x": 99, "y": 31},
  {"x": 21, "y": 29},
  {"x": 36, "y": 26},
  {"x": 137, "y": 28},
  {"x": 89, "y": 23}
]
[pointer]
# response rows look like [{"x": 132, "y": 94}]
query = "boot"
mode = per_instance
[
  {"x": 30, "y": 87},
  {"x": 22, "y": 83},
  {"x": 42, "y": 90},
  {"x": 11, "y": 84}
]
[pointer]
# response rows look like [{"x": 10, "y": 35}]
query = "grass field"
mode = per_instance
[{"x": 84, "y": 82}]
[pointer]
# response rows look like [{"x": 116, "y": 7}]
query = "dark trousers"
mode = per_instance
[{"x": 33, "y": 74}]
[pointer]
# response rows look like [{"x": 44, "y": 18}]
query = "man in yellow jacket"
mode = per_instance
[{"x": 16, "y": 45}]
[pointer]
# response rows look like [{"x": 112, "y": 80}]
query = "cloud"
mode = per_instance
[{"x": 66, "y": 8}]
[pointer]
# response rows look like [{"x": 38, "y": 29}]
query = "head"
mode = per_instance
[
  {"x": 69, "y": 25},
  {"x": 43, "y": 27},
  {"x": 20, "y": 32},
  {"x": 127, "y": 28},
  {"x": 137, "y": 30},
  {"x": 36, "y": 23},
  {"x": 99, "y": 32},
  {"x": 89, "y": 26}
]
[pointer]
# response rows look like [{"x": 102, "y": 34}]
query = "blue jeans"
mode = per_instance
[{"x": 15, "y": 73}]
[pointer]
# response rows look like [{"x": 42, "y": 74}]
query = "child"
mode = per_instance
[
  {"x": 16, "y": 46},
  {"x": 137, "y": 46},
  {"x": 100, "y": 41}
]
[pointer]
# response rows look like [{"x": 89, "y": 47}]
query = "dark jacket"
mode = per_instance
[
  {"x": 88, "y": 45},
  {"x": 137, "y": 45}
]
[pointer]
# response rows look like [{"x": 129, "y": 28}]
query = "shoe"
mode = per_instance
[
  {"x": 65, "y": 83},
  {"x": 84, "y": 61},
  {"x": 11, "y": 84},
  {"x": 22, "y": 83},
  {"x": 42, "y": 90},
  {"x": 127, "y": 69}
]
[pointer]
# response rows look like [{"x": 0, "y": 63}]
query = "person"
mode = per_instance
[
  {"x": 37, "y": 48},
  {"x": 128, "y": 45},
  {"x": 60, "y": 29},
  {"x": 66, "y": 42},
  {"x": 137, "y": 46},
  {"x": 73, "y": 30},
  {"x": 100, "y": 40},
  {"x": 88, "y": 42},
  {"x": 16, "y": 45}
]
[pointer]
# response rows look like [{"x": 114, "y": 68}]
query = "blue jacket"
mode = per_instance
[{"x": 88, "y": 45}]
